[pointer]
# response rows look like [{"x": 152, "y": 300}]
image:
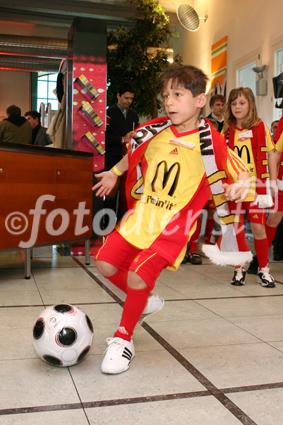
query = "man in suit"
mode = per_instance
[
  {"x": 39, "y": 135},
  {"x": 121, "y": 120},
  {"x": 217, "y": 104}
]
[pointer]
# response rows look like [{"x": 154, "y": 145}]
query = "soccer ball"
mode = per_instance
[{"x": 62, "y": 335}]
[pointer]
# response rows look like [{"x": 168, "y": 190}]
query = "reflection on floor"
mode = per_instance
[{"x": 212, "y": 356}]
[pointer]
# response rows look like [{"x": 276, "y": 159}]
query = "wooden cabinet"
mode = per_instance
[{"x": 41, "y": 189}]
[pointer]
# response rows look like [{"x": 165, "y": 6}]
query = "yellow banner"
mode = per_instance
[{"x": 219, "y": 66}]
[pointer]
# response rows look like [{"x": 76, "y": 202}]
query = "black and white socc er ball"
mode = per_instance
[{"x": 62, "y": 335}]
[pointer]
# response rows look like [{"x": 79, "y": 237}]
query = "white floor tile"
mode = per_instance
[
  {"x": 265, "y": 407},
  {"x": 70, "y": 417},
  {"x": 151, "y": 373},
  {"x": 202, "y": 411},
  {"x": 34, "y": 383},
  {"x": 238, "y": 365}
]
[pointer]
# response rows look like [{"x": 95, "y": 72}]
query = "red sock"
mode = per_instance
[
  {"x": 270, "y": 233},
  {"x": 120, "y": 279},
  {"x": 262, "y": 251},
  {"x": 134, "y": 305}
]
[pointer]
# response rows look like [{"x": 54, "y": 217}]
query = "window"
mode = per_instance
[
  {"x": 246, "y": 77},
  {"x": 46, "y": 85},
  {"x": 278, "y": 60}
]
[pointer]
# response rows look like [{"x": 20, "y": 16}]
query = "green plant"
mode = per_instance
[{"x": 137, "y": 55}]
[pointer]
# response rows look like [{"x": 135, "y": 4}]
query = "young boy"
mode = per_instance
[{"x": 174, "y": 164}]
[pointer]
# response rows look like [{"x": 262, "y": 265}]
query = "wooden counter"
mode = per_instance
[{"x": 40, "y": 190}]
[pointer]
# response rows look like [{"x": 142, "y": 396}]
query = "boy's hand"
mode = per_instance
[
  {"x": 237, "y": 191},
  {"x": 107, "y": 182}
]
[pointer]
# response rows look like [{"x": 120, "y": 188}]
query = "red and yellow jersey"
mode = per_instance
[
  {"x": 243, "y": 148},
  {"x": 279, "y": 143},
  {"x": 173, "y": 173}
]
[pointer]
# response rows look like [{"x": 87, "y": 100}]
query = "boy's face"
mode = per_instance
[{"x": 181, "y": 106}]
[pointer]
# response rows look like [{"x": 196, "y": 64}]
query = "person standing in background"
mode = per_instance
[
  {"x": 275, "y": 217},
  {"x": 121, "y": 120},
  {"x": 15, "y": 128},
  {"x": 216, "y": 117},
  {"x": 249, "y": 137},
  {"x": 273, "y": 128},
  {"x": 39, "y": 135}
]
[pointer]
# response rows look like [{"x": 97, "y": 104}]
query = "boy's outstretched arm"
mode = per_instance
[
  {"x": 239, "y": 190},
  {"x": 108, "y": 179}
]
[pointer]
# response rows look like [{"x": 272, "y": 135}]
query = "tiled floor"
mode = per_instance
[{"x": 212, "y": 356}]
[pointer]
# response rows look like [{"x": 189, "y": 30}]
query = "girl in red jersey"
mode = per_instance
[{"x": 248, "y": 136}]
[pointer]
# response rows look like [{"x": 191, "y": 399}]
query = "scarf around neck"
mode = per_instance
[{"x": 231, "y": 248}]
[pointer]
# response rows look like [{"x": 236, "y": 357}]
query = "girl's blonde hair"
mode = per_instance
[{"x": 251, "y": 119}]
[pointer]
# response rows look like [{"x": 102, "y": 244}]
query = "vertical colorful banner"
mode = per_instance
[
  {"x": 89, "y": 106},
  {"x": 219, "y": 66}
]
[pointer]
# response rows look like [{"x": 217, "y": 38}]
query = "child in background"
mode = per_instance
[
  {"x": 276, "y": 215},
  {"x": 248, "y": 136},
  {"x": 174, "y": 164}
]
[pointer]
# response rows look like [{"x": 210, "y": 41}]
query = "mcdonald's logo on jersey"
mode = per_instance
[
  {"x": 166, "y": 179},
  {"x": 246, "y": 157}
]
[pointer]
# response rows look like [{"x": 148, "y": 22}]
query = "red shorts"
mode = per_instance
[
  {"x": 124, "y": 256},
  {"x": 254, "y": 214}
]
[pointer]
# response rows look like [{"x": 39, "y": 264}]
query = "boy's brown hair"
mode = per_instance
[
  {"x": 251, "y": 119},
  {"x": 188, "y": 76}
]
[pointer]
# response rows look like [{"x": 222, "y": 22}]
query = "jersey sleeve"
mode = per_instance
[
  {"x": 279, "y": 143},
  {"x": 269, "y": 143}
]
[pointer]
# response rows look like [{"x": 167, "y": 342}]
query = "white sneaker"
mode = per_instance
[
  {"x": 118, "y": 356},
  {"x": 154, "y": 304},
  {"x": 265, "y": 278},
  {"x": 239, "y": 277}
]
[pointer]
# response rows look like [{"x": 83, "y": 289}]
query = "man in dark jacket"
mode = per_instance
[
  {"x": 15, "y": 128},
  {"x": 120, "y": 121},
  {"x": 217, "y": 104},
  {"x": 39, "y": 135}
]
